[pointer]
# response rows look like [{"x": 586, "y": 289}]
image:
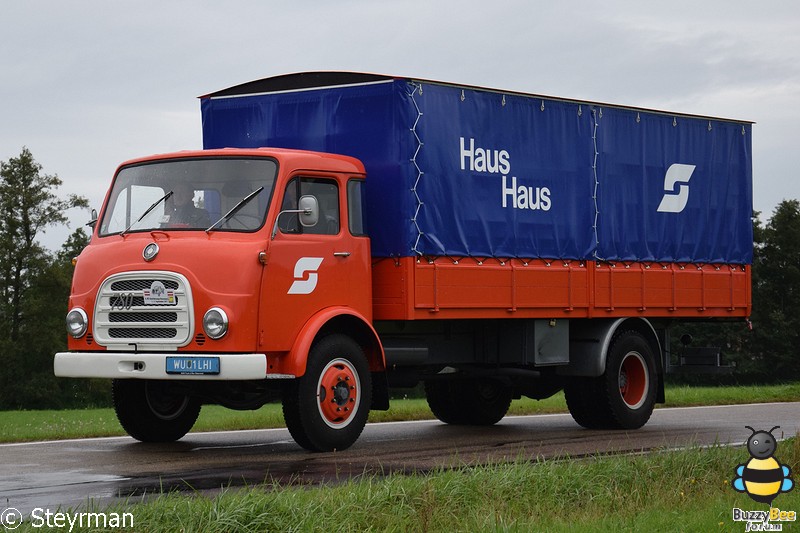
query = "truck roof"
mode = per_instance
[
  {"x": 296, "y": 159},
  {"x": 299, "y": 81}
]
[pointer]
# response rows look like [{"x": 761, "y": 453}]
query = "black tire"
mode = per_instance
[
  {"x": 625, "y": 395},
  {"x": 583, "y": 401},
  {"x": 327, "y": 408},
  {"x": 468, "y": 402},
  {"x": 150, "y": 411}
]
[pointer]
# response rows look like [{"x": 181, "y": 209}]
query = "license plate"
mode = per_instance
[{"x": 192, "y": 365}]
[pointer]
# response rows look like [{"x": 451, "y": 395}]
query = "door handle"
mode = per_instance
[{"x": 341, "y": 254}]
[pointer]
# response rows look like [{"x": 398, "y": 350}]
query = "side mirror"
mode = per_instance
[
  {"x": 309, "y": 211},
  {"x": 93, "y": 221}
]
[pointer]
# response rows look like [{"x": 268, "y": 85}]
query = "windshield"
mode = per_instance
[{"x": 190, "y": 194}]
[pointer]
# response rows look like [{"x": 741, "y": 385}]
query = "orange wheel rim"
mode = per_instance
[
  {"x": 338, "y": 393},
  {"x": 634, "y": 381}
]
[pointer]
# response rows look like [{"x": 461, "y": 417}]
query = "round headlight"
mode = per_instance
[
  {"x": 77, "y": 322},
  {"x": 215, "y": 323}
]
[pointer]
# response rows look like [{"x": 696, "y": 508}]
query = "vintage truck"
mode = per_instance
[{"x": 343, "y": 233}]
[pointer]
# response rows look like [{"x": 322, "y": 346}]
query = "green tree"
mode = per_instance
[
  {"x": 28, "y": 206},
  {"x": 47, "y": 301},
  {"x": 776, "y": 293}
]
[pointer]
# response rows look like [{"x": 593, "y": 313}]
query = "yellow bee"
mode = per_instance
[{"x": 762, "y": 477}]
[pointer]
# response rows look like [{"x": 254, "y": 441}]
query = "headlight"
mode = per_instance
[
  {"x": 215, "y": 323},
  {"x": 77, "y": 322}
]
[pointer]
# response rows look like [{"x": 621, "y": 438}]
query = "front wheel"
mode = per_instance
[
  {"x": 152, "y": 411},
  {"x": 625, "y": 395},
  {"x": 326, "y": 409}
]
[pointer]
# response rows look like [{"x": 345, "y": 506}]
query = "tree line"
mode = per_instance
[
  {"x": 35, "y": 285},
  {"x": 34, "y": 288}
]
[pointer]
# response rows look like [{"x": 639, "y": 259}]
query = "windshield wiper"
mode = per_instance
[
  {"x": 146, "y": 212},
  {"x": 235, "y": 208}
]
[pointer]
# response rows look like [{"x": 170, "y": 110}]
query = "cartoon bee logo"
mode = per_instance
[{"x": 762, "y": 477}]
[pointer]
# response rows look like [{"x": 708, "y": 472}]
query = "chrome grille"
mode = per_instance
[
  {"x": 131, "y": 309},
  {"x": 113, "y": 301},
  {"x": 141, "y": 284},
  {"x": 142, "y": 317},
  {"x": 142, "y": 333}
]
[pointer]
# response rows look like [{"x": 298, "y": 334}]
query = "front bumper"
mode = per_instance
[{"x": 146, "y": 365}]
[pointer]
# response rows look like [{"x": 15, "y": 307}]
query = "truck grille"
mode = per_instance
[
  {"x": 151, "y": 310},
  {"x": 143, "y": 333},
  {"x": 141, "y": 284},
  {"x": 142, "y": 317}
]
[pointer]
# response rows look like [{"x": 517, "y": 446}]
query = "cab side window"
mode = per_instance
[
  {"x": 327, "y": 195},
  {"x": 355, "y": 203}
]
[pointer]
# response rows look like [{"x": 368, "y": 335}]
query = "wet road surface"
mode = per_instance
[{"x": 73, "y": 473}]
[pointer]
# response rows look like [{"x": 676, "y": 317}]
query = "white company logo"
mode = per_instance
[
  {"x": 675, "y": 201},
  {"x": 303, "y": 285},
  {"x": 498, "y": 162}
]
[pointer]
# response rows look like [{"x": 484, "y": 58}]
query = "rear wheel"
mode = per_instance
[
  {"x": 624, "y": 396},
  {"x": 327, "y": 408},
  {"x": 152, "y": 411},
  {"x": 470, "y": 401}
]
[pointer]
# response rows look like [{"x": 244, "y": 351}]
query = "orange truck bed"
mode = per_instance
[{"x": 443, "y": 288}]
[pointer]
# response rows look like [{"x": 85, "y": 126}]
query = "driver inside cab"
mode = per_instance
[{"x": 184, "y": 213}]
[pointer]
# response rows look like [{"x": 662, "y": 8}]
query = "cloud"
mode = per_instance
[{"x": 90, "y": 83}]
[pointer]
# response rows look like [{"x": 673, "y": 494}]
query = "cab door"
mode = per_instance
[{"x": 312, "y": 267}]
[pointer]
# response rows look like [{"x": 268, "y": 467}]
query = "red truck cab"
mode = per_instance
[{"x": 216, "y": 270}]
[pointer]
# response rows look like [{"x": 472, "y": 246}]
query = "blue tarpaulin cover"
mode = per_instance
[{"x": 464, "y": 171}]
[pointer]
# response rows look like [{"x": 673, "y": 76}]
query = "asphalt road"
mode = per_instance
[{"x": 49, "y": 475}]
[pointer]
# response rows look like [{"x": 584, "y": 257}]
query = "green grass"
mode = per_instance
[
  {"x": 672, "y": 491},
  {"x": 684, "y": 396},
  {"x": 23, "y": 426}
]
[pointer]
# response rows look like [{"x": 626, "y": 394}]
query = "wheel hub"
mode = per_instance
[
  {"x": 634, "y": 382},
  {"x": 338, "y": 393}
]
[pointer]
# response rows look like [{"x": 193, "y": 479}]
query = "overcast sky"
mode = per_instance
[{"x": 86, "y": 85}]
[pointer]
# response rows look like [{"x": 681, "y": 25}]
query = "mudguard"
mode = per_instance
[{"x": 337, "y": 319}]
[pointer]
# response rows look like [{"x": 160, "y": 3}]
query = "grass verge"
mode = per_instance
[
  {"x": 25, "y": 426},
  {"x": 676, "y": 491}
]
